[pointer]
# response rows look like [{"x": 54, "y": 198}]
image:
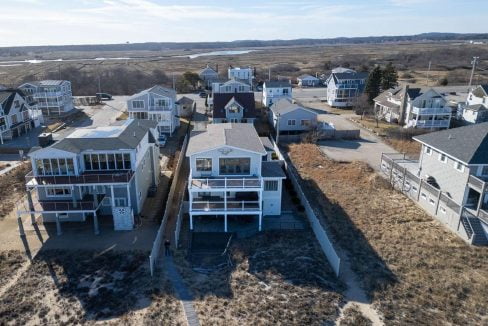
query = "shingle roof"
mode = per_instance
[
  {"x": 163, "y": 91},
  {"x": 207, "y": 70},
  {"x": 7, "y": 97},
  {"x": 350, "y": 75},
  {"x": 272, "y": 169},
  {"x": 306, "y": 76},
  {"x": 47, "y": 82},
  {"x": 285, "y": 105},
  {"x": 238, "y": 135},
  {"x": 185, "y": 100},
  {"x": 481, "y": 91},
  {"x": 246, "y": 100},
  {"x": 277, "y": 83},
  {"x": 468, "y": 144},
  {"x": 268, "y": 145},
  {"x": 125, "y": 136}
]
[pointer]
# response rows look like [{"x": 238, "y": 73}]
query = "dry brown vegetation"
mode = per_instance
[
  {"x": 354, "y": 317},
  {"x": 10, "y": 262},
  {"x": 278, "y": 278},
  {"x": 67, "y": 288},
  {"x": 12, "y": 188},
  {"x": 409, "y": 147},
  {"x": 416, "y": 271}
]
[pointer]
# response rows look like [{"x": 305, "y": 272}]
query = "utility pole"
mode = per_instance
[
  {"x": 428, "y": 73},
  {"x": 174, "y": 82},
  {"x": 269, "y": 74},
  {"x": 277, "y": 129},
  {"x": 474, "y": 62}
]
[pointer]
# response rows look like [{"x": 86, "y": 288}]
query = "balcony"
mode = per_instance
[
  {"x": 229, "y": 206},
  {"x": 432, "y": 111},
  {"x": 85, "y": 178},
  {"x": 225, "y": 183},
  {"x": 478, "y": 183},
  {"x": 86, "y": 205},
  {"x": 429, "y": 123},
  {"x": 159, "y": 108}
]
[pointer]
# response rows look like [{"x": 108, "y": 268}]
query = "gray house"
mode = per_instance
[
  {"x": 156, "y": 103},
  {"x": 53, "y": 97},
  {"x": 208, "y": 75},
  {"x": 289, "y": 117},
  {"x": 450, "y": 180},
  {"x": 94, "y": 173},
  {"x": 234, "y": 107}
]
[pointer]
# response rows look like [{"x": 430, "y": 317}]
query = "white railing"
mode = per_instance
[
  {"x": 432, "y": 111},
  {"x": 209, "y": 206},
  {"x": 431, "y": 123},
  {"x": 159, "y": 108},
  {"x": 225, "y": 183}
]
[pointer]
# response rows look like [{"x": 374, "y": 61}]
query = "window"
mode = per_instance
[
  {"x": 14, "y": 119},
  {"x": 423, "y": 195},
  {"x": 238, "y": 165},
  {"x": 161, "y": 103},
  {"x": 291, "y": 122},
  {"x": 204, "y": 164},
  {"x": 484, "y": 170},
  {"x": 305, "y": 123},
  {"x": 431, "y": 201},
  {"x": 58, "y": 192},
  {"x": 271, "y": 186},
  {"x": 234, "y": 109},
  {"x": 414, "y": 189},
  {"x": 443, "y": 158},
  {"x": 428, "y": 150},
  {"x": 138, "y": 104},
  {"x": 442, "y": 209},
  {"x": 459, "y": 166},
  {"x": 285, "y": 91},
  {"x": 120, "y": 202}
]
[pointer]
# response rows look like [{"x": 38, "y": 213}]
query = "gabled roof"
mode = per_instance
[
  {"x": 246, "y": 100},
  {"x": 342, "y": 70},
  {"x": 349, "y": 75},
  {"x": 233, "y": 80},
  {"x": 307, "y": 76},
  {"x": 126, "y": 135},
  {"x": 7, "y": 97},
  {"x": 47, "y": 82},
  {"x": 481, "y": 91},
  {"x": 285, "y": 105},
  {"x": 160, "y": 90},
  {"x": 467, "y": 144},
  {"x": 207, "y": 70},
  {"x": 185, "y": 100},
  {"x": 238, "y": 135},
  {"x": 276, "y": 83},
  {"x": 268, "y": 145}
]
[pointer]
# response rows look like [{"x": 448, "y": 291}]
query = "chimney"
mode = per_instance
[
  {"x": 403, "y": 105},
  {"x": 134, "y": 134}
]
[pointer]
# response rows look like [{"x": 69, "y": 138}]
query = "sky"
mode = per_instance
[{"x": 60, "y": 22}]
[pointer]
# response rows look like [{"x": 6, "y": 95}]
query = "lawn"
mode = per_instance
[
  {"x": 276, "y": 278},
  {"x": 416, "y": 271},
  {"x": 83, "y": 287}
]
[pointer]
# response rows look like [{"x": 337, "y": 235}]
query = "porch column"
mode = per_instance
[
  {"x": 191, "y": 221},
  {"x": 58, "y": 225},
  {"x": 31, "y": 207},
  {"x": 73, "y": 196},
  {"x": 225, "y": 222},
  {"x": 482, "y": 197},
  {"x": 112, "y": 194},
  {"x": 129, "y": 204},
  {"x": 260, "y": 220},
  {"x": 21, "y": 225},
  {"x": 95, "y": 223}
]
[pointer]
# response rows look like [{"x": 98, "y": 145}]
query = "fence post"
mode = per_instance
[
  {"x": 404, "y": 176},
  {"x": 438, "y": 201},
  {"x": 420, "y": 188}
]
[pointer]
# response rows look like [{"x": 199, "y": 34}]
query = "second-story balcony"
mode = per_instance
[
  {"x": 160, "y": 108},
  {"x": 84, "y": 178},
  {"x": 478, "y": 183},
  {"x": 429, "y": 123},
  {"x": 432, "y": 111},
  {"x": 219, "y": 183}
]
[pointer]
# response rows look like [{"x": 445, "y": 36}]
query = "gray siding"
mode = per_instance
[
  {"x": 297, "y": 115},
  {"x": 144, "y": 178}
]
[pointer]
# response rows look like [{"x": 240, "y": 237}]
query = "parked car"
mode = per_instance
[
  {"x": 162, "y": 140},
  {"x": 203, "y": 94},
  {"x": 104, "y": 96}
]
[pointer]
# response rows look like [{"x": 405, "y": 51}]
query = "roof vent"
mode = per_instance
[
  {"x": 134, "y": 133},
  {"x": 450, "y": 136}
]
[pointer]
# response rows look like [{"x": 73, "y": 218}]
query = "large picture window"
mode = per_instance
[
  {"x": 55, "y": 166},
  {"x": 271, "y": 185},
  {"x": 58, "y": 192},
  {"x": 204, "y": 164},
  {"x": 110, "y": 161},
  {"x": 238, "y": 165},
  {"x": 138, "y": 104}
]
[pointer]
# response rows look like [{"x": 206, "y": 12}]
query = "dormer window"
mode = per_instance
[{"x": 234, "y": 109}]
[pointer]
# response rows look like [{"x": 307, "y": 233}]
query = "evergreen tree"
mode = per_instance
[
  {"x": 373, "y": 84},
  {"x": 389, "y": 77}
]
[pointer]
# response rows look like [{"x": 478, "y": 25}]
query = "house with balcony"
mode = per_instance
[
  {"x": 243, "y": 74},
  {"x": 17, "y": 116},
  {"x": 344, "y": 86},
  {"x": 450, "y": 179},
  {"x": 234, "y": 107},
  {"x": 476, "y": 108},
  {"x": 230, "y": 86},
  {"x": 290, "y": 118},
  {"x": 230, "y": 179},
  {"x": 415, "y": 107},
  {"x": 158, "y": 104},
  {"x": 52, "y": 97},
  {"x": 92, "y": 174},
  {"x": 275, "y": 90}
]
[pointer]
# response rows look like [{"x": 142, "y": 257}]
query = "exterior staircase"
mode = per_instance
[{"x": 475, "y": 231}]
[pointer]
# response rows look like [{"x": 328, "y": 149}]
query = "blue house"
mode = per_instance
[{"x": 344, "y": 86}]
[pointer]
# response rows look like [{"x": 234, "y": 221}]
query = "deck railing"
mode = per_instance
[
  {"x": 242, "y": 205},
  {"x": 225, "y": 183},
  {"x": 86, "y": 178},
  {"x": 61, "y": 205},
  {"x": 477, "y": 182}
]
